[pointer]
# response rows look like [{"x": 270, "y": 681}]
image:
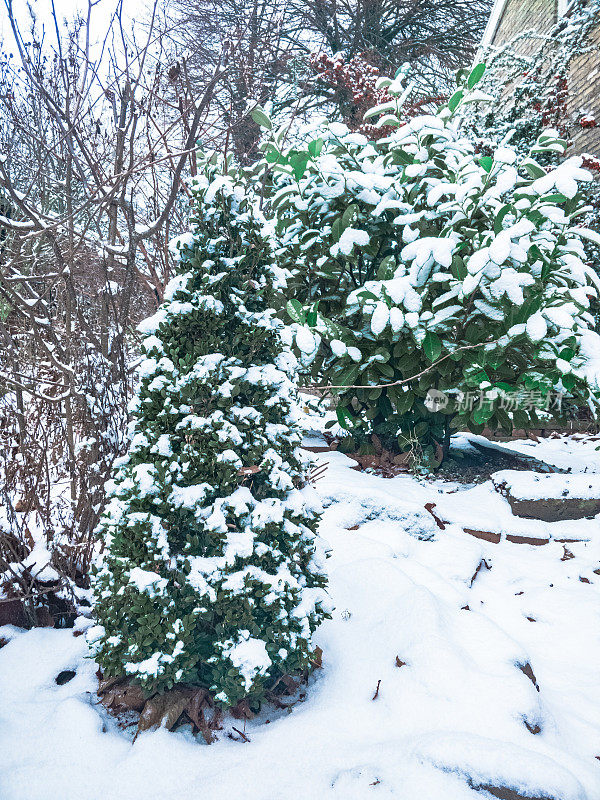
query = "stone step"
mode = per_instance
[{"x": 550, "y": 497}]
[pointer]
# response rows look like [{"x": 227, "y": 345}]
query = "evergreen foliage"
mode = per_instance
[
  {"x": 429, "y": 267},
  {"x": 212, "y": 574},
  {"x": 527, "y": 84}
]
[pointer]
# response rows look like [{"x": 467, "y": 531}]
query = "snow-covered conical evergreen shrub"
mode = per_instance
[{"x": 212, "y": 574}]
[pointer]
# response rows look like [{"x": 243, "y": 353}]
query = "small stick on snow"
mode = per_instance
[
  {"x": 482, "y": 563},
  {"x": 243, "y": 735},
  {"x": 376, "y": 695},
  {"x": 439, "y": 522}
]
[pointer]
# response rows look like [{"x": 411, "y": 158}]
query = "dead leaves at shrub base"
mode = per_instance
[
  {"x": 187, "y": 704},
  {"x": 167, "y": 710}
]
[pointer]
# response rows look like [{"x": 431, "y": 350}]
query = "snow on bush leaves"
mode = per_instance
[{"x": 434, "y": 262}]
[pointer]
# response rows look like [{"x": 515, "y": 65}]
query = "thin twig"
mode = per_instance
[
  {"x": 403, "y": 380},
  {"x": 243, "y": 735}
]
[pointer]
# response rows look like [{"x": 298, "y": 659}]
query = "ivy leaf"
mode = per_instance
[{"x": 432, "y": 346}]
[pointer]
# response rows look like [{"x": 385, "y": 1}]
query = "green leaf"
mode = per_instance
[
  {"x": 314, "y": 147},
  {"x": 385, "y": 369},
  {"x": 311, "y": 314},
  {"x": 555, "y": 198},
  {"x": 533, "y": 168},
  {"x": 336, "y": 229},
  {"x": 401, "y": 157},
  {"x": 334, "y": 331},
  {"x": 520, "y": 418},
  {"x": 386, "y": 268},
  {"x": 389, "y": 119},
  {"x": 432, "y": 347},
  {"x": 500, "y": 217},
  {"x": 345, "y": 418},
  {"x": 455, "y": 99},
  {"x": 402, "y": 400},
  {"x": 260, "y": 116},
  {"x": 495, "y": 360},
  {"x": 473, "y": 427},
  {"x": 485, "y": 162},
  {"x": 382, "y": 108},
  {"x": 365, "y": 294},
  {"x": 503, "y": 419},
  {"x": 459, "y": 269},
  {"x": 298, "y": 162},
  {"x": 272, "y": 155},
  {"x": 481, "y": 415},
  {"x": 475, "y": 75},
  {"x": 349, "y": 216},
  {"x": 347, "y": 376},
  {"x": 295, "y": 311},
  {"x": 421, "y": 429}
]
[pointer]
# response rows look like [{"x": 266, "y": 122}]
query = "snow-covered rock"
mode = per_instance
[{"x": 549, "y": 496}]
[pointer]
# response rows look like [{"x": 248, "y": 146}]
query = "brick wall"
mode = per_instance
[
  {"x": 584, "y": 78},
  {"x": 584, "y": 97},
  {"x": 524, "y": 15}
]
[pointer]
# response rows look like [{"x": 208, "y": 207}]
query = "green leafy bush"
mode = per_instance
[
  {"x": 212, "y": 574},
  {"x": 429, "y": 269}
]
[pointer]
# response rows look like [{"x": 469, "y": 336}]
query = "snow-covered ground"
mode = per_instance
[{"x": 486, "y": 658}]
